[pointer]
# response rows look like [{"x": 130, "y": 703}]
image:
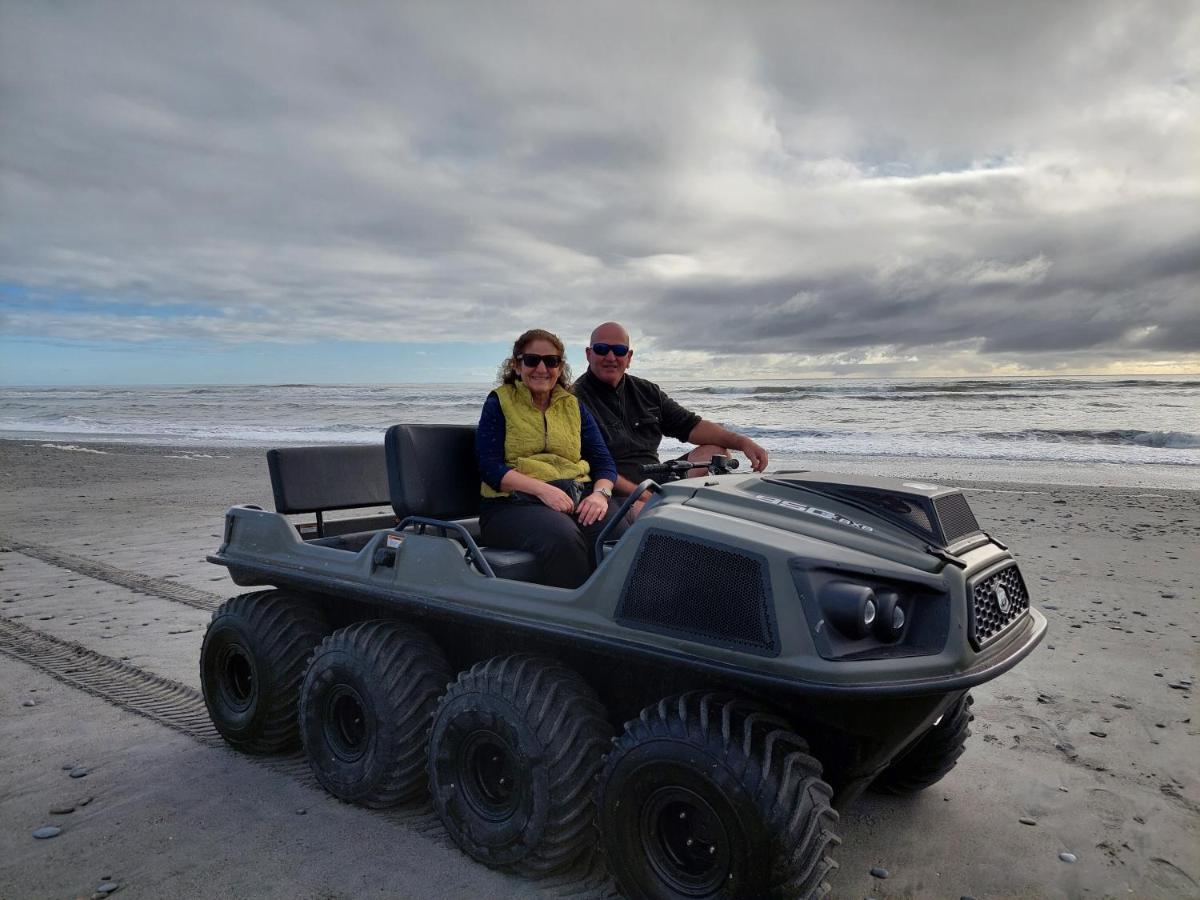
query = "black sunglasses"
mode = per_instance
[
  {"x": 618, "y": 350},
  {"x": 531, "y": 360}
]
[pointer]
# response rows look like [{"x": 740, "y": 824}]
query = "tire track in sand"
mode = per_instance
[
  {"x": 134, "y": 581},
  {"x": 181, "y": 708}
]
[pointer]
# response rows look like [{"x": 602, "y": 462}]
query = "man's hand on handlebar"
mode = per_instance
[{"x": 678, "y": 468}]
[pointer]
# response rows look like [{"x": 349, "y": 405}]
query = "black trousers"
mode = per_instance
[{"x": 565, "y": 548}]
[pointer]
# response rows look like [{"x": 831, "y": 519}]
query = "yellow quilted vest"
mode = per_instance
[{"x": 545, "y": 446}]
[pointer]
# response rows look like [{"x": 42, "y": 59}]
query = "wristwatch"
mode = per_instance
[{"x": 604, "y": 492}]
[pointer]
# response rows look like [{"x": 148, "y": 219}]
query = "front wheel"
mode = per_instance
[
  {"x": 932, "y": 757},
  {"x": 705, "y": 795}
]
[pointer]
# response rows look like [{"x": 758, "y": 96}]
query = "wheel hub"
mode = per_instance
[
  {"x": 491, "y": 777},
  {"x": 685, "y": 841},
  {"x": 237, "y": 677},
  {"x": 345, "y": 723}
]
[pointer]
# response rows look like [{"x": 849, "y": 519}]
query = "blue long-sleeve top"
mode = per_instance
[{"x": 489, "y": 444}]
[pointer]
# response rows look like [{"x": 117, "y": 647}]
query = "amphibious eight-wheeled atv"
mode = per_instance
[{"x": 751, "y": 653}]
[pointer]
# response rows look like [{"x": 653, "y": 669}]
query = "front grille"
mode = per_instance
[
  {"x": 988, "y": 597},
  {"x": 955, "y": 516},
  {"x": 697, "y": 590}
]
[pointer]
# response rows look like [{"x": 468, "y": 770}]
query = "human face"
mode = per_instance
[
  {"x": 609, "y": 368},
  {"x": 540, "y": 380}
]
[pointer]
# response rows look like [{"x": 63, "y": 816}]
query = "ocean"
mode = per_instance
[{"x": 1121, "y": 430}]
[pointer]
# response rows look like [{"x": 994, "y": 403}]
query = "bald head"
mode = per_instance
[
  {"x": 609, "y": 367},
  {"x": 610, "y": 333}
]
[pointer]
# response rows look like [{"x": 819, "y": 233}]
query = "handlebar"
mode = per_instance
[{"x": 675, "y": 469}]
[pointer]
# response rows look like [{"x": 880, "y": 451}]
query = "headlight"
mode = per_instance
[
  {"x": 849, "y": 607},
  {"x": 859, "y": 615},
  {"x": 889, "y": 623}
]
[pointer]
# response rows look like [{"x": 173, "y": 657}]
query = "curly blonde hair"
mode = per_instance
[{"x": 510, "y": 369}]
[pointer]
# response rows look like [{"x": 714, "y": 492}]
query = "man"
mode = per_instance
[{"x": 634, "y": 413}]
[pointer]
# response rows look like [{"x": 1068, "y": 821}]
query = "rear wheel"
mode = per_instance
[
  {"x": 251, "y": 665},
  {"x": 932, "y": 757},
  {"x": 707, "y": 796},
  {"x": 365, "y": 705},
  {"x": 513, "y": 754}
]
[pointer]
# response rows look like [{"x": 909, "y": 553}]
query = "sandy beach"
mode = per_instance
[{"x": 1093, "y": 740}]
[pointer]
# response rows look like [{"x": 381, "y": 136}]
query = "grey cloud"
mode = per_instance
[{"x": 762, "y": 180}]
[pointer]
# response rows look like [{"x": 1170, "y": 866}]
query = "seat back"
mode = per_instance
[
  {"x": 432, "y": 471},
  {"x": 313, "y": 479}
]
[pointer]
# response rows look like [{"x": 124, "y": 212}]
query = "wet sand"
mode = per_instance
[{"x": 1094, "y": 738}]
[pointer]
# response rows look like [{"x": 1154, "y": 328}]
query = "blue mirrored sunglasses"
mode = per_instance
[{"x": 618, "y": 350}]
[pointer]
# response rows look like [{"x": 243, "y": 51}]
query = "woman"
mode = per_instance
[{"x": 547, "y": 475}]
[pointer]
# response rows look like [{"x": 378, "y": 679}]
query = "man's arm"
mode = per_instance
[{"x": 706, "y": 432}]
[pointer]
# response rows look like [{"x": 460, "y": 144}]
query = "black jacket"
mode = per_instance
[{"x": 633, "y": 417}]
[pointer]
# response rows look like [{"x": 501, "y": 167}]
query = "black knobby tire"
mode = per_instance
[
  {"x": 513, "y": 754},
  {"x": 251, "y": 665},
  {"x": 705, "y": 795},
  {"x": 933, "y": 755},
  {"x": 365, "y": 706}
]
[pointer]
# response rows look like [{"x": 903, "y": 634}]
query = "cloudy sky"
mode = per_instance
[{"x": 253, "y": 192}]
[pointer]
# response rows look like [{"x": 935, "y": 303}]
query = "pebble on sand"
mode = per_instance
[
  {"x": 79, "y": 772},
  {"x": 62, "y": 809},
  {"x": 1067, "y": 857},
  {"x": 1027, "y": 821},
  {"x": 29, "y": 703},
  {"x": 106, "y": 887},
  {"x": 47, "y": 831},
  {"x": 879, "y": 872}
]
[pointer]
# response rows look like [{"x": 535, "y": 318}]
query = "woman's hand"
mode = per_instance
[
  {"x": 555, "y": 498},
  {"x": 592, "y": 509}
]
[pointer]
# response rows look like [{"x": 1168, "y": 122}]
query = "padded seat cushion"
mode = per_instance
[
  {"x": 516, "y": 565},
  {"x": 432, "y": 471},
  {"x": 311, "y": 479}
]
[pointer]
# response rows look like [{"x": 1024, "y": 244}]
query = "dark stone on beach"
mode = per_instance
[
  {"x": 1064, "y": 790},
  {"x": 1027, "y": 821},
  {"x": 1067, "y": 857},
  {"x": 29, "y": 703},
  {"x": 79, "y": 772},
  {"x": 47, "y": 831},
  {"x": 106, "y": 887},
  {"x": 302, "y": 812},
  {"x": 68, "y": 766},
  {"x": 62, "y": 809},
  {"x": 1167, "y": 596},
  {"x": 1099, "y": 734},
  {"x": 879, "y": 872},
  {"x": 1122, "y": 706},
  {"x": 85, "y": 801}
]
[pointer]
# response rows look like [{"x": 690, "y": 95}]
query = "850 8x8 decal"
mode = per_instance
[{"x": 813, "y": 511}]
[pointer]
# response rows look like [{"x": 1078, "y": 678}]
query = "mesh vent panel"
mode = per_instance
[
  {"x": 702, "y": 592},
  {"x": 895, "y": 507},
  {"x": 955, "y": 516},
  {"x": 989, "y": 597}
]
